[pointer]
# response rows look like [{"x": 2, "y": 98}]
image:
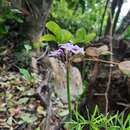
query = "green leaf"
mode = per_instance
[
  {"x": 21, "y": 88},
  {"x": 28, "y": 118},
  {"x": 29, "y": 92},
  {"x": 113, "y": 128},
  {"x": 78, "y": 127},
  {"x": 10, "y": 120},
  {"x": 80, "y": 35},
  {"x": 63, "y": 113},
  {"x": 16, "y": 11},
  {"x": 22, "y": 101},
  {"x": 37, "y": 128},
  {"x": 55, "y": 29},
  {"x": 1, "y": 19},
  {"x": 128, "y": 128},
  {"x": 27, "y": 47},
  {"x": 89, "y": 37},
  {"x": 65, "y": 36},
  {"x": 3, "y": 29},
  {"x": 48, "y": 37},
  {"x": 25, "y": 74}
]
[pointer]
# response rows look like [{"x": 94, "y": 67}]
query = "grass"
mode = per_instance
[{"x": 98, "y": 121}]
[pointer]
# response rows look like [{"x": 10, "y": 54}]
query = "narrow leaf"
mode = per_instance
[
  {"x": 25, "y": 74},
  {"x": 22, "y": 101}
]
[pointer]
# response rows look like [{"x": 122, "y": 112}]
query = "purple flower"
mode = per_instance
[
  {"x": 56, "y": 53},
  {"x": 76, "y": 49},
  {"x": 67, "y": 48}
]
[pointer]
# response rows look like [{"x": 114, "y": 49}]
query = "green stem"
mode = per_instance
[{"x": 68, "y": 87}]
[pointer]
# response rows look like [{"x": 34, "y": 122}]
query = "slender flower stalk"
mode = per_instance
[
  {"x": 68, "y": 87},
  {"x": 67, "y": 51}
]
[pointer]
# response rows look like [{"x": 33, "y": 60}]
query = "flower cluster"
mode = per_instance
[{"x": 66, "y": 49}]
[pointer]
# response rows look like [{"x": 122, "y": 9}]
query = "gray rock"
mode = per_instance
[{"x": 58, "y": 70}]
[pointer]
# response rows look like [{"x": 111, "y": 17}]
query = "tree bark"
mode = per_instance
[
  {"x": 113, "y": 15},
  {"x": 124, "y": 24},
  {"x": 37, "y": 12}
]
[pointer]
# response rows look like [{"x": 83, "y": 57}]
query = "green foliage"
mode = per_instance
[
  {"x": 27, "y": 118},
  {"x": 23, "y": 54},
  {"x": 59, "y": 35},
  {"x": 37, "y": 128},
  {"x": 26, "y": 75},
  {"x": 76, "y": 3},
  {"x": 55, "y": 29},
  {"x": 65, "y": 36},
  {"x": 28, "y": 48},
  {"x": 74, "y": 14},
  {"x": 127, "y": 34},
  {"x": 62, "y": 35},
  {"x": 22, "y": 101},
  {"x": 8, "y": 14},
  {"x": 95, "y": 122},
  {"x": 82, "y": 37},
  {"x": 119, "y": 122},
  {"x": 98, "y": 121}
]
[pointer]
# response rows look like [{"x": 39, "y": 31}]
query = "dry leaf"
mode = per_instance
[
  {"x": 124, "y": 67},
  {"x": 41, "y": 110},
  {"x": 77, "y": 58},
  {"x": 92, "y": 51},
  {"x": 106, "y": 53},
  {"x": 95, "y": 52},
  {"x": 15, "y": 111},
  {"x": 103, "y": 48}
]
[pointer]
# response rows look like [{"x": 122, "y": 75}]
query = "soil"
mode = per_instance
[{"x": 119, "y": 92}]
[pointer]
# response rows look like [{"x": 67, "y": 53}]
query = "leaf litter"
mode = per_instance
[{"x": 20, "y": 107}]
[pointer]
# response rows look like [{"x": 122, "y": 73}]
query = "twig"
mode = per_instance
[
  {"x": 110, "y": 70},
  {"x": 123, "y": 104},
  {"x": 127, "y": 106},
  {"x": 100, "y": 60},
  {"x": 67, "y": 64},
  {"x": 99, "y": 94},
  {"x": 44, "y": 54}
]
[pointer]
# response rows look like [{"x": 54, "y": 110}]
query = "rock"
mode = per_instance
[{"x": 58, "y": 70}]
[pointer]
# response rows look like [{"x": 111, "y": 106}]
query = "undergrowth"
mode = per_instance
[{"x": 98, "y": 121}]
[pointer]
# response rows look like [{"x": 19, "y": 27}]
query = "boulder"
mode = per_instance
[{"x": 58, "y": 79}]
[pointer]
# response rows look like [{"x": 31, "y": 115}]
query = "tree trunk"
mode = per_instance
[
  {"x": 36, "y": 14},
  {"x": 113, "y": 15},
  {"x": 125, "y": 23}
]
